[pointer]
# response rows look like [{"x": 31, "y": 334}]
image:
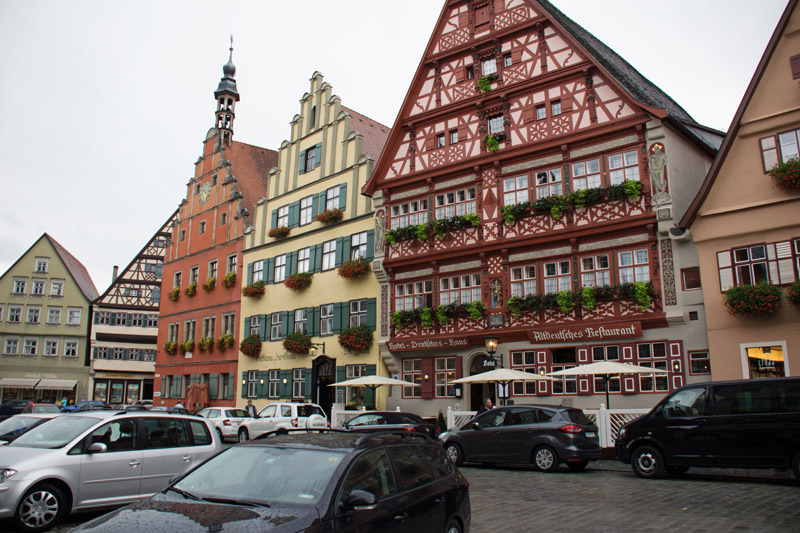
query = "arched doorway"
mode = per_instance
[
  {"x": 480, "y": 392},
  {"x": 323, "y": 371}
]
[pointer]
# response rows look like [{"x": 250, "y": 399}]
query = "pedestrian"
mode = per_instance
[
  {"x": 486, "y": 406},
  {"x": 64, "y": 401},
  {"x": 251, "y": 409},
  {"x": 179, "y": 405}
]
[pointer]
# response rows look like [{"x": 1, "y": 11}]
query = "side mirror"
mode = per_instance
[
  {"x": 97, "y": 447},
  {"x": 475, "y": 425},
  {"x": 360, "y": 500}
]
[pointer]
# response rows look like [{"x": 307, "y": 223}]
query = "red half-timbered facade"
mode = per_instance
[
  {"x": 202, "y": 285},
  {"x": 526, "y": 192}
]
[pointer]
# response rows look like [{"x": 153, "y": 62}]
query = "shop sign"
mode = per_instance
[
  {"x": 489, "y": 363},
  {"x": 428, "y": 344},
  {"x": 619, "y": 330}
]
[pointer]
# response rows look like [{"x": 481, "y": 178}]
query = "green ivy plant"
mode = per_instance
[
  {"x": 565, "y": 301},
  {"x": 492, "y": 144},
  {"x": 588, "y": 300},
  {"x": 485, "y": 83},
  {"x": 426, "y": 317}
]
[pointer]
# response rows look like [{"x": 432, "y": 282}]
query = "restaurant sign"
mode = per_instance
[
  {"x": 620, "y": 330},
  {"x": 427, "y": 344}
]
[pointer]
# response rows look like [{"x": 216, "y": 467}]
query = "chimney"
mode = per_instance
[{"x": 114, "y": 275}]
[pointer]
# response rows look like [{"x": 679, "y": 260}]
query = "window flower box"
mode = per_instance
[
  {"x": 225, "y": 342},
  {"x": 254, "y": 290},
  {"x": 191, "y": 290},
  {"x": 281, "y": 232},
  {"x": 171, "y": 347},
  {"x": 206, "y": 344},
  {"x": 174, "y": 294},
  {"x": 229, "y": 280},
  {"x": 297, "y": 343},
  {"x": 762, "y": 300},
  {"x": 209, "y": 284},
  {"x": 786, "y": 175},
  {"x": 186, "y": 346},
  {"x": 793, "y": 294},
  {"x": 356, "y": 340},
  {"x": 330, "y": 216},
  {"x": 251, "y": 346},
  {"x": 298, "y": 282},
  {"x": 354, "y": 269}
]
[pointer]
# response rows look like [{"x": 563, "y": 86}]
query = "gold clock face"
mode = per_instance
[{"x": 205, "y": 191}]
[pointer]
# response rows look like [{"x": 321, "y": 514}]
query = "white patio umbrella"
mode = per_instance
[
  {"x": 606, "y": 370},
  {"x": 373, "y": 382},
  {"x": 503, "y": 376}
]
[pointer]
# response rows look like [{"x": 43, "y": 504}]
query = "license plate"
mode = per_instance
[{"x": 591, "y": 434}]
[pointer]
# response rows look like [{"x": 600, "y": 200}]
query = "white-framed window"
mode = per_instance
[
  {"x": 523, "y": 281},
  {"x": 332, "y": 197},
  {"x": 19, "y": 285},
  {"x": 515, "y": 190},
  {"x": 301, "y": 320},
  {"x": 252, "y": 383},
  {"x": 189, "y": 329},
  {"x": 586, "y": 175},
  {"x": 412, "y": 372},
  {"x": 100, "y": 352},
  {"x": 303, "y": 256},
  {"x": 120, "y": 319},
  {"x": 358, "y": 313},
  {"x": 34, "y": 312},
  {"x": 194, "y": 274},
  {"x": 633, "y": 266},
  {"x": 41, "y": 265},
  {"x": 11, "y": 346},
  {"x": 440, "y": 141},
  {"x": 305, "y": 210},
  {"x": 541, "y": 112},
  {"x": 38, "y": 287},
  {"x": 56, "y": 287},
  {"x": 605, "y": 353},
  {"x": 766, "y": 359},
  {"x": 255, "y": 325},
  {"x": 445, "y": 374},
  {"x": 212, "y": 269},
  {"x": 555, "y": 108},
  {"x": 462, "y": 289},
  {"x": 152, "y": 321},
  {"x": 548, "y": 183},
  {"x": 329, "y": 254},
  {"x": 699, "y": 363},
  {"x": 524, "y": 362},
  {"x": 414, "y": 295},
  {"x": 691, "y": 278},
  {"x": 595, "y": 271},
  {"x": 623, "y": 167},
  {"x": 228, "y": 323},
  {"x": 74, "y": 316},
  {"x": 488, "y": 66},
  {"x": 496, "y": 124},
  {"x": 209, "y": 326},
  {"x": 409, "y": 214},
  {"x": 326, "y": 319},
  {"x": 283, "y": 216},
  {"x": 280, "y": 268},
  {"x": 298, "y": 383},
  {"x": 172, "y": 332},
  {"x": 358, "y": 245},
  {"x": 274, "y": 386},
  {"x": 355, "y": 395},
  {"x": 176, "y": 280},
  {"x": 231, "y": 263},
  {"x": 258, "y": 271},
  {"x": 50, "y": 347},
  {"x": 557, "y": 276},
  {"x": 30, "y": 346},
  {"x": 453, "y": 136},
  {"x": 202, "y": 227},
  {"x": 785, "y": 143},
  {"x": 653, "y": 355},
  {"x": 15, "y": 313},
  {"x": 456, "y": 203},
  {"x": 276, "y": 321},
  {"x": 750, "y": 263}
]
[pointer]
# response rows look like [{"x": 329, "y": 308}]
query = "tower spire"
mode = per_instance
[{"x": 227, "y": 96}]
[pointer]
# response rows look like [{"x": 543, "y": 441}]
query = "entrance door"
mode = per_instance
[
  {"x": 323, "y": 370},
  {"x": 479, "y": 392}
]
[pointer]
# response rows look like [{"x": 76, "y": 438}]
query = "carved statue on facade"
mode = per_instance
[
  {"x": 380, "y": 229},
  {"x": 497, "y": 294},
  {"x": 658, "y": 164}
]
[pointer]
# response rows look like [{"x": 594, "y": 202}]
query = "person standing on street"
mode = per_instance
[
  {"x": 486, "y": 406},
  {"x": 250, "y": 408}
]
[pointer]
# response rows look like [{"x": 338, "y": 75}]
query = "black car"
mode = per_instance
[
  {"x": 316, "y": 482},
  {"x": 384, "y": 420},
  {"x": 12, "y": 407},
  {"x": 544, "y": 435}
]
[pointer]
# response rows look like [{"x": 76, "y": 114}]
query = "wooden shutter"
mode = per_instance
[
  {"x": 340, "y": 257},
  {"x": 341, "y": 316},
  {"x": 262, "y": 389},
  {"x": 213, "y": 386},
  {"x": 461, "y": 74},
  {"x": 794, "y": 62},
  {"x": 499, "y": 5},
  {"x": 286, "y": 388},
  {"x": 247, "y": 326},
  {"x": 516, "y": 54},
  {"x": 342, "y": 196},
  {"x": 294, "y": 214},
  {"x": 341, "y": 375},
  {"x": 317, "y": 258},
  {"x": 312, "y": 259},
  {"x": 262, "y": 327},
  {"x": 463, "y": 133},
  {"x": 289, "y": 322},
  {"x": 244, "y": 384},
  {"x": 307, "y": 375},
  {"x": 369, "y": 394},
  {"x": 428, "y": 384},
  {"x": 291, "y": 263},
  {"x": 481, "y": 15},
  {"x": 164, "y": 391},
  {"x": 430, "y": 143},
  {"x": 285, "y": 323},
  {"x": 370, "y": 245},
  {"x": 315, "y": 206},
  {"x": 528, "y": 115},
  {"x": 302, "y": 163},
  {"x": 274, "y": 218},
  {"x": 463, "y": 19},
  {"x": 250, "y": 273},
  {"x": 725, "y": 270},
  {"x": 269, "y": 270},
  {"x": 267, "y": 327},
  {"x": 372, "y": 317},
  {"x": 317, "y": 155},
  {"x": 566, "y": 103},
  {"x": 312, "y": 324}
]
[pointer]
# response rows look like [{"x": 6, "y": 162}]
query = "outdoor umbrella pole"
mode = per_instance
[{"x": 607, "y": 377}]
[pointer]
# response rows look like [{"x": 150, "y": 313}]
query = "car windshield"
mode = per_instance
[
  {"x": 55, "y": 433},
  {"x": 265, "y": 475},
  {"x": 577, "y": 416},
  {"x": 11, "y": 427},
  {"x": 236, "y": 413},
  {"x": 46, "y": 409},
  {"x": 308, "y": 410}
]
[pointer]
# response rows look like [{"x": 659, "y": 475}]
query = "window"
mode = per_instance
[
  {"x": 176, "y": 280},
  {"x": 371, "y": 473},
  {"x": 152, "y": 321},
  {"x": 412, "y": 372},
  {"x": 252, "y": 383},
  {"x": 11, "y": 346},
  {"x": 460, "y": 289},
  {"x": 202, "y": 227},
  {"x": 56, "y": 288},
  {"x": 228, "y": 323},
  {"x": 74, "y": 316},
  {"x": 183, "y": 235},
  {"x": 358, "y": 245},
  {"x": 653, "y": 355},
  {"x": 194, "y": 274},
  {"x": 786, "y": 144},
  {"x": 355, "y": 395},
  {"x": 555, "y": 108},
  {"x": 41, "y": 265},
  {"x": 120, "y": 319},
  {"x": 506, "y": 60},
  {"x": 445, "y": 373},
  {"x": 332, "y": 197},
  {"x": 30, "y": 346},
  {"x": 415, "y": 295},
  {"x": 312, "y": 159},
  {"x": 280, "y": 268},
  {"x": 605, "y": 353},
  {"x": 488, "y": 66},
  {"x": 38, "y": 287},
  {"x": 691, "y": 278},
  {"x": 19, "y": 285},
  {"x": 209, "y": 326},
  {"x": 515, "y": 190},
  {"x": 561, "y": 359},
  {"x": 118, "y": 354},
  {"x": 303, "y": 260},
  {"x": 453, "y": 136},
  {"x": 100, "y": 352},
  {"x": 255, "y": 326},
  {"x": 548, "y": 183},
  {"x": 633, "y": 266},
  {"x": 212, "y": 269},
  {"x": 298, "y": 383},
  {"x": 496, "y": 124},
  {"x": 524, "y": 362},
  {"x": 751, "y": 265},
  {"x": 301, "y": 321},
  {"x": 623, "y": 167},
  {"x": 231, "y": 264},
  {"x": 283, "y": 216},
  {"x": 14, "y": 313},
  {"x": 189, "y": 330},
  {"x": 557, "y": 277},
  {"x": 586, "y": 175},
  {"x": 699, "y": 363},
  {"x": 410, "y": 214},
  {"x": 456, "y": 203},
  {"x": 523, "y": 281},
  {"x": 358, "y": 313},
  {"x": 471, "y": 72},
  {"x": 276, "y": 322},
  {"x": 595, "y": 271},
  {"x": 273, "y": 389},
  {"x": 305, "y": 210},
  {"x": 440, "y": 140},
  {"x": 329, "y": 254},
  {"x": 326, "y": 319},
  {"x": 258, "y": 271},
  {"x": 172, "y": 332},
  {"x": 541, "y": 112},
  {"x": 765, "y": 361},
  {"x": 223, "y": 219},
  {"x": 33, "y": 314}
]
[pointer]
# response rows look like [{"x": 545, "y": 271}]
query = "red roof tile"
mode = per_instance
[
  {"x": 250, "y": 166},
  {"x": 374, "y": 133}
]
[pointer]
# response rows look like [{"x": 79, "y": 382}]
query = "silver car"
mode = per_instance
[
  {"x": 95, "y": 460},
  {"x": 226, "y": 419}
]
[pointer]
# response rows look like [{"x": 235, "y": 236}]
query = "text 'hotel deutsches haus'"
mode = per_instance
[{"x": 527, "y": 191}]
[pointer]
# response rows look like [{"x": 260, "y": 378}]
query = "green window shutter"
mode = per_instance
[
  {"x": 274, "y": 218},
  {"x": 312, "y": 260},
  {"x": 290, "y": 322},
  {"x": 345, "y": 249},
  {"x": 269, "y": 270},
  {"x": 308, "y": 384},
  {"x": 285, "y": 323},
  {"x": 262, "y": 388},
  {"x": 315, "y": 206},
  {"x": 286, "y": 388},
  {"x": 370, "y": 245},
  {"x": 369, "y": 394},
  {"x": 247, "y": 326},
  {"x": 302, "y": 163},
  {"x": 244, "y": 384},
  {"x": 372, "y": 313},
  {"x": 342, "y": 196},
  {"x": 249, "y": 273},
  {"x": 262, "y": 329},
  {"x": 213, "y": 386},
  {"x": 317, "y": 264},
  {"x": 164, "y": 391},
  {"x": 339, "y": 251},
  {"x": 344, "y": 311},
  {"x": 317, "y": 155},
  {"x": 268, "y": 330},
  {"x": 312, "y": 326},
  {"x": 294, "y": 214},
  {"x": 291, "y": 263},
  {"x": 338, "y": 325}
]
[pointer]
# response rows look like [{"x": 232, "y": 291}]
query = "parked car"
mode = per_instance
[
  {"x": 12, "y": 407},
  {"x": 751, "y": 423},
  {"x": 226, "y": 419},
  {"x": 41, "y": 408},
  {"x": 14, "y": 426},
  {"x": 545, "y": 435},
  {"x": 171, "y": 410},
  {"x": 332, "y": 481},
  {"x": 84, "y": 405},
  {"x": 284, "y": 415},
  {"x": 384, "y": 420},
  {"x": 96, "y": 459}
]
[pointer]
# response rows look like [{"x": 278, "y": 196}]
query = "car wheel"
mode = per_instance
[
  {"x": 580, "y": 466},
  {"x": 545, "y": 459},
  {"x": 244, "y": 436},
  {"x": 676, "y": 470},
  {"x": 796, "y": 465},
  {"x": 42, "y": 507},
  {"x": 453, "y": 526},
  {"x": 647, "y": 462},
  {"x": 455, "y": 453}
]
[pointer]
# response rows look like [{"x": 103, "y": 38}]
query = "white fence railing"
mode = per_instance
[{"x": 608, "y": 421}]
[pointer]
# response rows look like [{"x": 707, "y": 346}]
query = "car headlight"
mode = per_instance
[
  {"x": 6, "y": 474},
  {"x": 444, "y": 435}
]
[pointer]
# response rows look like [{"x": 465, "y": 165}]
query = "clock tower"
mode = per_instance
[{"x": 227, "y": 96}]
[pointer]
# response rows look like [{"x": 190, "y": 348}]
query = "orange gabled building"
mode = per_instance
[
  {"x": 201, "y": 290},
  {"x": 527, "y": 190}
]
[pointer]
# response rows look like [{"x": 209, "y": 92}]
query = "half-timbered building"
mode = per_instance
[
  {"x": 199, "y": 308},
  {"x": 125, "y": 326},
  {"x": 527, "y": 191}
]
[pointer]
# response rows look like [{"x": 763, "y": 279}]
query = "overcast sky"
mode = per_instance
[{"x": 105, "y": 104}]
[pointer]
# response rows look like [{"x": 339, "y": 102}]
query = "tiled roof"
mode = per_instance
[
  {"x": 76, "y": 270},
  {"x": 374, "y": 133},
  {"x": 250, "y": 165}
]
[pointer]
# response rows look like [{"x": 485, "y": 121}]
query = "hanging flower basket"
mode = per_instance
[
  {"x": 254, "y": 290},
  {"x": 174, "y": 294},
  {"x": 793, "y": 294},
  {"x": 191, "y": 290},
  {"x": 298, "y": 343},
  {"x": 209, "y": 284},
  {"x": 762, "y": 300},
  {"x": 187, "y": 346},
  {"x": 171, "y": 347},
  {"x": 281, "y": 232},
  {"x": 251, "y": 346},
  {"x": 330, "y": 216},
  {"x": 354, "y": 269},
  {"x": 356, "y": 340},
  {"x": 206, "y": 344},
  {"x": 229, "y": 280},
  {"x": 298, "y": 282},
  {"x": 225, "y": 342},
  {"x": 786, "y": 175}
]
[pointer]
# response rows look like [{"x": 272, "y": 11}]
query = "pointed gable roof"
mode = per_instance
[
  {"x": 76, "y": 270},
  {"x": 373, "y": 132},
  {"x": 711, "y": 178},
  {"x": 250, "y": 165}
]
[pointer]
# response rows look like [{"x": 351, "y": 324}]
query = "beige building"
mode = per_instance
[
  {"x": 321, "y": 170},
  {"x": 746, "y": 228}
]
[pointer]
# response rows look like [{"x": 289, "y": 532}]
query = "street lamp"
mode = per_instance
[
  {"x": 314, "y": 347},
  {"x": 491, "y": 344}
]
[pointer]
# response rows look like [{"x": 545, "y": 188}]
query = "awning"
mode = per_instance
[
  {"x": 56, "y": 384},
  {"x": 23, "y": 383}
]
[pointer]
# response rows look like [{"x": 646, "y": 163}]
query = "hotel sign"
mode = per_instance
[
  {"x": 428, "y": 344},
  {"x": 620, "y": 330}
]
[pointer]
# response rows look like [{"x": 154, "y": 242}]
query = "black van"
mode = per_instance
[{"x": 752, "y": 423}]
